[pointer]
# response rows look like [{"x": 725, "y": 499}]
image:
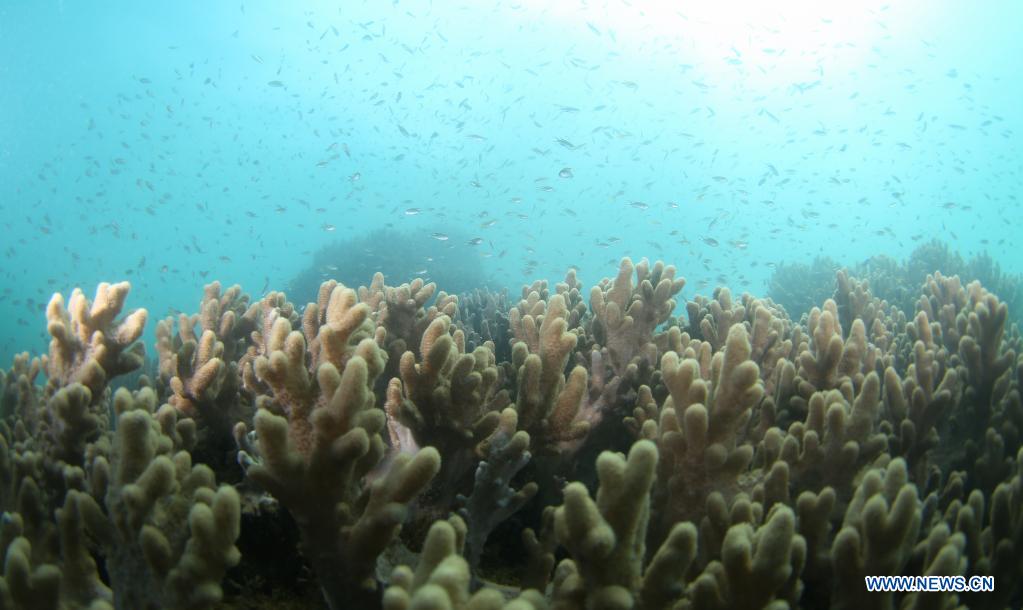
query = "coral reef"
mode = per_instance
[{"x": 399, "y": 447}]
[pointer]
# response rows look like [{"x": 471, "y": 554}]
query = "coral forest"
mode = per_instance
[{"x": 567, "y": 448}]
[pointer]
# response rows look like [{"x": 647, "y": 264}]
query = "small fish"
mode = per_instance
[
  {"x": 412, "y": 211},
  {"x": 488, "y": 224},
  {"x": 565, "y": 143},
  {"x": 355, "y": 177},
  {"x": 439, "y": 236},
  {"x": 639, "y": 205},
  {"x": 710, "y": 241},
  {"x": 566, "y": 172},
  {"x": 475, "y": 241},
  {"x": 275, "y": 83},
  {"x": 329, "y": 228}
]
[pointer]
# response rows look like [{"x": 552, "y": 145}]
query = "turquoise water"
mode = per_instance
[{"x": 171, "y": 144}]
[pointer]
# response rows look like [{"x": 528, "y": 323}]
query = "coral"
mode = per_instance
[
  {"x": 699, "y": 429},
  {"x": 166, "y": 532},
  {"x": 799, "y": 287},
  {"x": 711, "y": 319},
  {"x": 493, "y": 500},
  {"x": 772, "y": 342},
  {"x": 759, "y": 567},
  {"x": 546, "y": 402},
  {"x": 151, "y": 502},
  {"x": 315, "y": 459},
  {"x": 484, "y": 318},
  {"x": 272, "y": 307},
  {"x": 441, "y": 579},
  {"x": 609, "y": 567},
  {"x": 27, "y": 582},
  {"x": 877, "y": 536},
  {"x": 917, "y": 405},
  {"x": 980, "y": 346},
  {"x": 400, "y": 310},
  {"x": 836, "y": 440},
  {"x": 626, "y": 315},
  {"x": 1002, "y": 540},
  {"x": 89, "y": 345},
  {"x": 449, "y": 401},
  {"x": 18, "y": 396},
  {"x": 605, "y": 538},
  {"x": 202, "y": 372},
  {"x": 204, "y": 385}
]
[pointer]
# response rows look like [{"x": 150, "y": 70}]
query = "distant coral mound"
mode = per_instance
[
  {"x": 798, "y": 286},
  {"x": 400, "y": 256}
]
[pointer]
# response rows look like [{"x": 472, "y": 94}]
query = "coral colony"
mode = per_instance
[{"x": 407, "y": 448}]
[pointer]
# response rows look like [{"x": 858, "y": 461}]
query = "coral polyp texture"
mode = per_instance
[{"x": 398, "y": 447}]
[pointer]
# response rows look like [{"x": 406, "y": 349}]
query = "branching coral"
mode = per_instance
[
  {"x": 315, "y": 459},
  {"x": 711, "y": 319},
  {"x": 400, "y": 311},
  {"x": 699, "y": 429},
  {"x": 626, "y": 315},
  {"x": 605, "y": 538},
  {"x": 441, "y": 579},
  {"x": 778, "y": 462},
  {"x": 916, "y": 406},
  {"x": 90, "y": 346},
  {"x": 448, "y": 401},
  {"x": 836, "y": 440},
  {"x": 547, "y": 403},
  {"x": 167, "y": 534},
  {"x": 877, "y": 537},
  {"x": 493, "y": 499},
  {"x": 152, "y": 501}
]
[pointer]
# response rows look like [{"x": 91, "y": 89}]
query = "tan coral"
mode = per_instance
[
  {"x": 699, "y": 430},
  {"x": 449, "y": 400},
  {"x": 441, "y": 580},
  {"x": 605, "y": 539},
  {"x": 547, "y": 403},
  {"x": 877, "y": 536},
  {"x": 626, "y": 315},
  {"x": 836, "y": 441},
  {"x": 714, "y": 317},
  {"x": 167, "y": 531},
  {"x": 318, "y": 473},
  {"x": 915, "y": 406},
  {"x": 401, "y": 311},
  {"x": 90, "y": 346}
]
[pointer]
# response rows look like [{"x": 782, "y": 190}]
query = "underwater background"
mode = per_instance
[
  {"x": 510, "y": 305},
  {"x": 176, "y": 143}
]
